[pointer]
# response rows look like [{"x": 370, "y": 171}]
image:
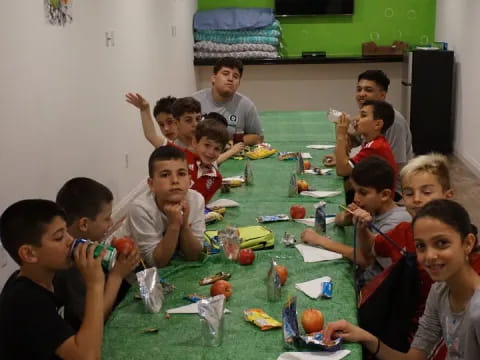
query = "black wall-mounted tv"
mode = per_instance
[{"x": 313, "y": 7}]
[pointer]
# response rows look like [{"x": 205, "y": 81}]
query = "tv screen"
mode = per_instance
[{"x": 313, "y": 7}]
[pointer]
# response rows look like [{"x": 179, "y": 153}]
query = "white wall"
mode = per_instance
[
  {"x": 457, "y": 23},
  {"x": 62, "y": 107},
  {"x": 307, "y": 87}
]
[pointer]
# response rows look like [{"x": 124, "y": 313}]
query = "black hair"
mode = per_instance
[
  {"x": 24, "y": 222},
  {"x": 214, "y": 130},
  {"x": 450, "y": 213},
  {"x": 164, "y": 105},
  {"x": 163, "y": 153},
  {"x": 185, "y": 105},
  {"x": 382, "y": 110},
  {"x": 216, "y": 116},
  {"x": 83, "y": 197},
  {"x": 374, "y": 172},
  {"x": 377, "y": 76},
  {"x": 228, "y": 62}
]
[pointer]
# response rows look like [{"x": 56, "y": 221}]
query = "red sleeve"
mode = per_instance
[{"x": 401, "y": 234}]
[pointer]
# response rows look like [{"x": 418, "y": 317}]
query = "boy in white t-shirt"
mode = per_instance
[{"x": 169, "y": 218}]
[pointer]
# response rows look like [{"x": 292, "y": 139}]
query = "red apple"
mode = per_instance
[
  {"x": 297, "y": 212},
  {"x": 246, "y": 256},
  {"x": 282, "y": 274},
  {"x": 307, "y": 164},
  {"x": 221, "y": 287},
  {"x": 123, "y": 245},
  {"x": 312, "y": 320},
  {"x": 302, "y": 185}
]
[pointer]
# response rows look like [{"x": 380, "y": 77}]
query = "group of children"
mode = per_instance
[{"x": 168, "y": 221}]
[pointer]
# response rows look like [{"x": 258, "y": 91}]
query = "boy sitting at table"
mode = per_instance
[
  {"x": 373, "y": 181},
  {"x": 375, "y": 118},
  {"x": 88, "y": 208},
  {"x": 162, "y": 112},
  {"x": 34, "y": 233},
  {"x": 210, "y": 138},
  {"x": 169, "y": 218}
]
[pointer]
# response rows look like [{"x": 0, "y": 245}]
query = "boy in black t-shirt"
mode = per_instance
[{"x": 34, "y": 233}]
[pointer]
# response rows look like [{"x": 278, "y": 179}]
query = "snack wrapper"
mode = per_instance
[
  {"x": 287, "y": 155},
  {"x": 261, "y": 151},
  {"x": 230, "y": 239},
  {"x": 261, "y": 319},
  {"x": 289, "y": 240},
  {"x": 211, "y": 311},
  {"x": 211, "y": 279},
  {"x": 272, "y": 218},
  {"x": 291, "y": 333},
  {"x": 274, "y": 286},
  {"x": 151, "y": 289}
]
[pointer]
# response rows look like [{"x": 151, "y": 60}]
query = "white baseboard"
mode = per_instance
[{"x": 470, "y": 163}]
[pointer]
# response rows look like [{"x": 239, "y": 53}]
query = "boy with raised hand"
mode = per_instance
[
  {"x": 88, "y": 208},
  {"x": 375, "y": 118},
  {"x": 209, "y": 140},
  {"x": 373, "y": 181},
  {"x": 34, "y": 233},
  {"x": 162, "y": 112},
  {"x": 168, "y": 219}
]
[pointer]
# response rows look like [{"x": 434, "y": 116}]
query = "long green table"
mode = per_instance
[{"x": 180, "y": 336}]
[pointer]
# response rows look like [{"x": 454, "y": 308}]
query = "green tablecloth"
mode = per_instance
[{"x": 179, "y": 337}]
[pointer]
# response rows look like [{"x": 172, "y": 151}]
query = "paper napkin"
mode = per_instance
[
  {"x": 311, "y": 221},
  {"x": 187, "y": 309},
  {"x": 306, "y": 155},
  {"x": 320, "y": 355},
  {"x": 321, "y": 147},
  {"x": 314, "y": 254},
  {"x": 313, "y": 288},
  {"x": 320, "y": 194},
  {"x": 222, "y": 203}
]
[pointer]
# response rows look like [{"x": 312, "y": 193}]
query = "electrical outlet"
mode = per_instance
[
  {"x": 110, "y": 38},
  {"x": 126, "y": 160}
]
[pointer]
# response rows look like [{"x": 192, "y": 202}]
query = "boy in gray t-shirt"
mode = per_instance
[
  {"x": 373, "y": 180},
  {"x": 241, "y": 114}
]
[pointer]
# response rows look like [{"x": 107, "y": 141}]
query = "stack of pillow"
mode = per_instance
[{"x": 245, "y": 33}]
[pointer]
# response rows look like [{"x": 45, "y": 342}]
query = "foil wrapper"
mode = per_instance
[
  {"x": 151, "y": 290},
  {"x": 211, "y": 311},
  {"x": 274, "y": 286}
]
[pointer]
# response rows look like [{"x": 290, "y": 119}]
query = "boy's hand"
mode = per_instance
[
  {"x": 174, "y": 214},
  {"x": 238, "y": 147},
  {"x": 329, "y": 160},
  {"x": 362, "y": 216},
  {"x": 89, "y": 266},
  {"x": 186, "y": 213},
  {"x": 342, "y": 125},
  {"x": 125, "y": 264},
  {"x": 138, "y": 101},
  {"x": 309, "y": 236}
]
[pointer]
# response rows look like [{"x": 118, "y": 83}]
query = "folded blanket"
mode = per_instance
[
  {"x": 229, "y": 39},
  {"x": 237, "y": 54},
  {"x": 233, "y": 18},
  {"x": 258, "y": 32},
  {"x": 218, "y": 47}
]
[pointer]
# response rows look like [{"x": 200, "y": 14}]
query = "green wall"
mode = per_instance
[{"x": 382, "y": 21}]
